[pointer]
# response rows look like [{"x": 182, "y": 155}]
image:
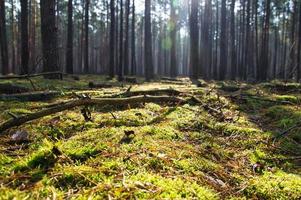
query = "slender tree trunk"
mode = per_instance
[
  {"x": 194, "y": 40},
  {"x": 275, "y": 53},
  {"x": 86, "y": 66},
  {"x": 112, "y": 39},
  {"x": 256, "y": 37},
  {"x": 173, "y": 34},
  {"x": 24, "y": 37},
  {"x": 3, "y": 39},
  {"x": 264, "y": 59},
  {"x": 148, "y": 57},
  {"x": 133, "y": 39},
  {"x": 284, "y": 47},
  {"x": 223, "y": 42},
  {"x": 206, "y": 40},
  {"x": 126, "y": 41},
  {"x": 215, "y": 68},
  {"x": 248, "y": 58},
  {"x": 233, "y": 44},
  {"x": 69, "y": 50},
  {"x": 293, "y": 44},
  {"x": 49, "y": 37},
  {"x": 299, "y": 48},
  {"x": 121, "y": 69},
  {"x": 13, "y": 42}
]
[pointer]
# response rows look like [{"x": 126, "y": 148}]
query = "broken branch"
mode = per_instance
[{"x": 87, "y": 102}]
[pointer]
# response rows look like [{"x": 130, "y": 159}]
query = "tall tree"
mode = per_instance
[
  {"x": 299, "y": 48},
  {"x": 148, "y": 57},
  {"x": 49, "y": 37},
  {"x": 293, "y": 44},
  {"x": 133, "y": 39},
  {"x": 13, "y": 30},
  {"x": 120, "y": 69},
  {"x": 233, "y": 42},
  {"x": 126, "y": 41},
  {"x": 86, "y": 53},
  {"x": 223, "y": 42},
  {"x": 206, "y": 39},
  {"x": 112, "y": 39},
  {"x": 194, "y": 40},
  {"x": 24, "y": 37},
  {"x": 264, "y": 58},
  {"x": 69, "y": 50},
  {"x": 3, "y": 39},
  {"x": 173, "y": 36}
]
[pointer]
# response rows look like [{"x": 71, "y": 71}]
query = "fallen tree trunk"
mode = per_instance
[
  {"x": 101, "y": 85},
  {"x": 87, "y": 102},
  {"x": 31, "y": 75},
  {"x": 8, "y": 88},
  {"x": 130, "y": 93},
  {"x": 30, "y": 96}
]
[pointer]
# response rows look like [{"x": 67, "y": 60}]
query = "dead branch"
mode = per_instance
[
  {"x": 210, "y": 110},
  {"x": 87, "y": 102}
]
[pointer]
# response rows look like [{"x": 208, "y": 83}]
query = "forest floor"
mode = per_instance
[{"x": 226, "y": 145}]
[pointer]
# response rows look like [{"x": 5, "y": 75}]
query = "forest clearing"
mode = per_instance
[{"x": 214, "y": 140}]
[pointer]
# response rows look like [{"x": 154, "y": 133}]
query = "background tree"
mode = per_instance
[
  {"x": 112, "y": 39},
  {"x": 173, "y": 35},
  {"x": 69, "y": 49},
  {"x": 86, "y": 66},
  {"x": 194, "y": 40},
  {"x": 49, "y": 37},
  {"x": 148, "y": 58},
  {"x": 223, "y": 42},
  {"x": 3, "y": 39}
]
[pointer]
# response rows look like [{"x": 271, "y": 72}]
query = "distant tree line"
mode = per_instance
[{"x": 248, "y": 40}]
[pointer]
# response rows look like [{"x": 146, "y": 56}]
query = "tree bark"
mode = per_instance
[
  {"x": 121, "y": 66},
  {"x": 49, "y": 38},
  {"x": 126, "y": 41},
  {"x": 299, "y": 48},
  {"x": 194, "y": 40},
  {"x": 148, "y": 49},
  {"x": 112, "y": 40},
  {"x": 233, "y": 42},
  {"x": 223, "y": 42},
  {"x": 264, "y": 59},
  {"x": 173, "y": 34},
  {"x": 69, "y": 49},
  {"x": 86, "y": 66},
  {"x": 133, "y": 39},
  {"x": 3, "y": 39}
]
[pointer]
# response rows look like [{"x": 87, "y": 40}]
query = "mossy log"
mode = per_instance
[{"x": 87, "y": 102}]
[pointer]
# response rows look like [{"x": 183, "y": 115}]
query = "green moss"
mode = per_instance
[
  {"x": 289, "y": 98},
  {"x": 230, "y": 129},
  {"x": 170, "y": 188},
  {"x": 277, "y": 186}
]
